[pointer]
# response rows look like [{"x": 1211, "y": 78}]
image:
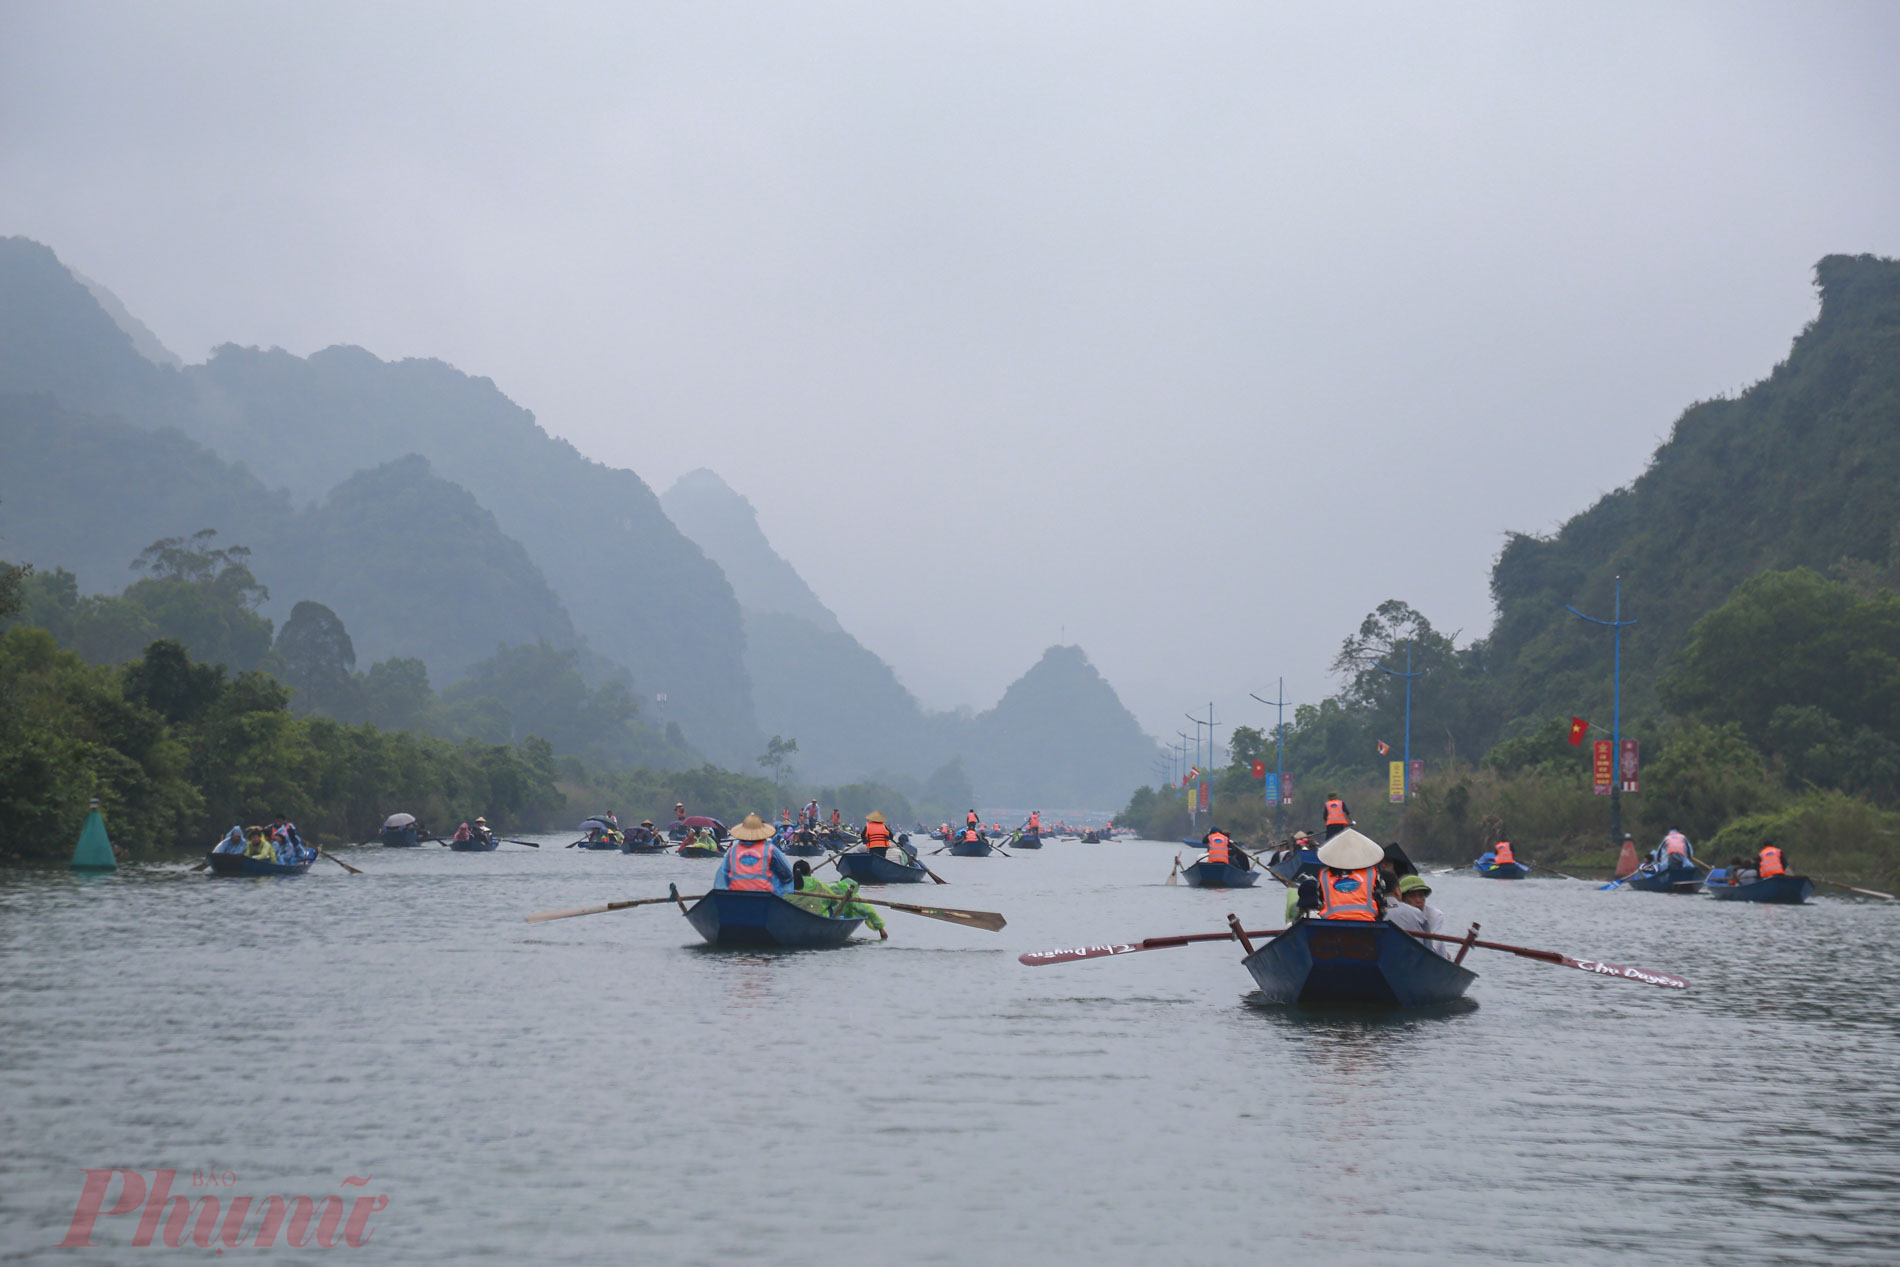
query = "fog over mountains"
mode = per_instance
[{"x": 439, "y": 520}]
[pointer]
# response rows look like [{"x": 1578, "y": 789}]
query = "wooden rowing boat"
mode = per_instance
[
  {"x": 240, "y": 864},
  {"x": 1354, "y": 963},
  {"x": 877, "y": 868},
  {"x": 1788, "y": 890},
  {"x": 1218, "y": 875},
  {"x": 732, "y": 917}
]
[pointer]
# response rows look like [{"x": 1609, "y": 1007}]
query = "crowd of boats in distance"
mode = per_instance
[{"x": 1310, "y": 962}]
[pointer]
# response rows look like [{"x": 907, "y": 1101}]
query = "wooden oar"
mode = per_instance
[
  {"x": 1041, "y": 958},
  {"x": 987, "y": 920},
  {"x": 201, "y": 866},
  {"x": 510, "y": 840},
  {"x": 321, "y": 853},
  {"x": 1174, "y": 871},
  {"x": 541, "y": 917},
  {"x": 1552, "y": 871},
  {"x": 1852, "y": 888},
  {"x": 1596, "y": 966}
]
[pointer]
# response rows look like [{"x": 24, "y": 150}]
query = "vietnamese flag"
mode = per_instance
[
  {"x": 1577, "y": 726},
  {"x": 1259, "y": 769}
]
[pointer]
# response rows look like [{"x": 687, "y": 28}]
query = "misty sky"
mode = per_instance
[{"x": 1188, "y": 333}]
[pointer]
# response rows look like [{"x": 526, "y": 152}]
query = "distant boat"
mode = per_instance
[
  {"x": 877, "y": 868},
  {"x": 734, "y": 917},
  {"x": 1219, "y": 875},
  {"x": 1354, "y": 962},
  {"x": 241, "y": 864},
  {"x": 1491, "y": 869},
  {"x": 641, "y": 840},
  {"x": 477, "y": 842},
  {"x": 1789, "y": 890},
  {"x": 1297, "y": 864},
  {"x": 970, "y": 848},
  {"x": 401, "y": 832},
  {"x": 1685, "y": 879},
  {"x": 1028, "y": 840}
]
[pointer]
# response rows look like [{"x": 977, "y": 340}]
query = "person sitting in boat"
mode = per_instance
[
  {"x": 1395, "y": 866},
  {"x": 290, "y": 847},
  {"x": 233, "y": 842},
  {"x": 462, "y": 834},
  {"x": 878, "y": 838},
  {"x": 1674, "y": 853},
  {"x": 1221, "y": 851},
  {"x": 971, "y": 836},
  {"x": 1770, "y": 861},
  {"x": 480, "y": 831},
  {"x": 257, "y": 845},
  {"x": 705, "y": 839},
  {"x": 1415, "y": 915},
  {"x": 1502, "y": 854},
  {"x": 805, "y": 883},
  {"x": 1347, "y": 886},
  {"x": 753, "y": 863},
  {"x": 1739, "y": 872}
]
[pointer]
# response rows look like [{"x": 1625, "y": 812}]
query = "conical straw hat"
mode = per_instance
[
  {"x": 1349, "y": 851},
  {"x": 753, "y": 829}
]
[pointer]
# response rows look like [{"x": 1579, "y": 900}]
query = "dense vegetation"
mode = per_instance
[{"x": 1760, "y": 555}]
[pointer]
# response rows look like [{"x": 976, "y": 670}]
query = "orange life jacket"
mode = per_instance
[
  {"x": 1503, "y": 854},
  {"x": 1035, "y": 822},
  {"x": 877, "y": 836},
  {"x": 1348, "y": 894},
  {"x": 1675, "y": 846},
  {"x": 969, "y": 819},
  {"x": 1217, "y": 848},
  {"x": 751, "y": 866},
  {"x": 1768, "y": 862},
  {"x": 970, "y": 836},
  {"x": 1336, "y": 814}
]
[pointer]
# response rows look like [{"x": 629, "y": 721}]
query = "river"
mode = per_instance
[{"x": 608, "y": 1090}]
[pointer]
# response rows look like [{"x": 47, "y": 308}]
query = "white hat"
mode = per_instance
[{"x": 1349, "y": 851}]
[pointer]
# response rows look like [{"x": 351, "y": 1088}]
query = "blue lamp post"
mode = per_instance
[{"x": 1408, "y": 675}]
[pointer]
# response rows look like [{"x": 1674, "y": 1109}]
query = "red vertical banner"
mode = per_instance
[
  {"x": 1203, "y": 796},
  {"x": 1626, "y": 765},
  {"x": 1603, "y": 766},
  {"x": 1286, "y": 790},
  {"x": 1418, "y": 774}
]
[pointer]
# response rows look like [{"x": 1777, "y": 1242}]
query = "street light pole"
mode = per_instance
[
  {"x": 1208, "y": 773},
  {"x": 1279, "y": 752},
  {"x": 1616, "y": 709}
]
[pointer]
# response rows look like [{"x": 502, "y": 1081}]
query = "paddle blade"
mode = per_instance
[
  {"x": 989, "y": 921},
  {"x": 1627, "y": 973},
  {"x": 1040, "y": 958}
]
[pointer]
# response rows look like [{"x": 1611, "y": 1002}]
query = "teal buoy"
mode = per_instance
[{"x": 94, "y": 851}]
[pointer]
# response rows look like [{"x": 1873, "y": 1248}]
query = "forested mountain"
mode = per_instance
[
  {"x": 1800, "y": 470},
  {"x": 410, "y": 562},
  {"x": 637, "y": 590},
  {"x": 1059, "y": 730},
  {"x": 724, "y": 524}
]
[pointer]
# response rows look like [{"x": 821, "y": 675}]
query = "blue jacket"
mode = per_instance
[{"x": 776, "y": 863}]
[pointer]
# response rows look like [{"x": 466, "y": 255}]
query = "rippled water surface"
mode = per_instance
[{"x": 606, "y": 1089}]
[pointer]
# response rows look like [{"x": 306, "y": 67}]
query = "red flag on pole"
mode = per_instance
[
  {"x": 1384, "y": 747},
  {"x": 1577, "y": 728},
  {"x": 1259, "y": 769}
]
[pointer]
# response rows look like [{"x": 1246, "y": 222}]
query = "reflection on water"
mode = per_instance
[{"x": 599, "y": 1089}]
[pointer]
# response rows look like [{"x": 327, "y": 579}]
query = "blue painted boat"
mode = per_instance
[
  {"x": 1673, "y": 880},
  {"x": 1218, "y": 875},
  {"x": 638, "y": 841},
  {"x": 1297, "y": 864},
  {"x": 484, "y": 843},
  {"x": 1027, "y": 840},
  {"x": 1789, "y": 890},
  {"x": 590, "y": 842},
  {"x": 1354, "y": 962},
  {"x": 1488, "y": 867},
  {"x": 804, "y": 848},
  {"x": 239, "y": 864},
  {"x": 730, "y": 917},
  {"x": 876, "y": 868},
  {"x": 970, "y": 848},
  {"x": 1091, "y": 838},
  {"x": 698, "y": 851},
  {"x": 401, "y": 835}
]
